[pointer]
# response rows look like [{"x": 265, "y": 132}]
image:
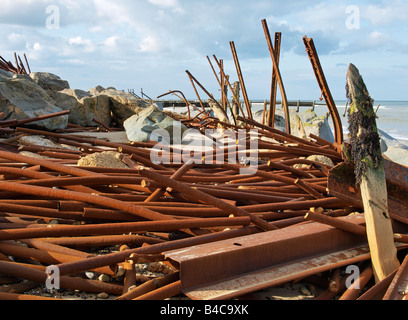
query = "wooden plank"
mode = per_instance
[{"x": 370, "y": 174}]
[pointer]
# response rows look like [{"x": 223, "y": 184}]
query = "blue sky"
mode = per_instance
[{"x": 150, "y": 43}]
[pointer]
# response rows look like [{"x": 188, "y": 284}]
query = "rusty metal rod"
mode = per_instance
[
  {"x": 89, "y": 198},
  {"x": 206, "y": 198},
  {"x": 21, "y": 271},
  {"x": 337, "y": 223},
  {"x": 111, "y": 259},
  {"x": 120, "y": 228},
  {"x": 241, "y": 79}
]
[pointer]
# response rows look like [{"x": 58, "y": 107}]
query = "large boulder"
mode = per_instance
[
  {"x": 319, "y": 126},
  {"x": 123, "y": 105},
  {"x": 22, "y": 98},
  {"x": 51, "y": 83},
  {"x": 296, "y": 125},
  {"x": 84, "y": 107},
  {"x": 5, "y": 75},
  {"x": 398, "y": 153},
  {"x": 139, "y": 127}
]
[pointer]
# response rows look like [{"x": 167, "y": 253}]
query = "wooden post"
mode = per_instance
[{"x": 369, "y": 170}]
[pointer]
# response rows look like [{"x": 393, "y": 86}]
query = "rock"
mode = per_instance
[
  {"x": 89, "y": 108},
  {"x": 139, "y": 127},
  {"x": 386, "y": 140},
  {"x": 296, "y": 125},
  {"x": 84, "y": 107},
  {"x": 106, "y": 159},
  {"x": 321, "y": 159},
  {"x": 34, "y": 140},
  {"x": 5, "y": 75},
  {"x": 49, "y": 82},
  {"x": 123, "y": 105},
  {"x": 102, "y": 295},
  {"x": 318, "y": 126},
  {"x": 398, "y": 153},
  {"x": 22, "y": 98}
]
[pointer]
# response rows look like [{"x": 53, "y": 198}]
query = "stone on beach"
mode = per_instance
[
  {"x": 106, "y": 159},
  {"x": 139, "y": 127},
  {"x": 316, "y": 125},
  {"x": 22, "y": 98}
]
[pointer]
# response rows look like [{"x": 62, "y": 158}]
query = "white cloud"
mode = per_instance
[
  {"x": 165, "y": 3},
  {"x": 86, "y": 44},
  {"x": 150, "y": 44}
]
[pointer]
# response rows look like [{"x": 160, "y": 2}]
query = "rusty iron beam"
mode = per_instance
[
  {"x": 278, "y": 75},
  {"x": 241, "y": 80},
  {"x": 272, "y": 106},
  {"x": 215, "y": 270},
  {"x": 321, "y": 79}
]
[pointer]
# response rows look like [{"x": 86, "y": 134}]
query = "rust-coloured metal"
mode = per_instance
[
  {"x": 241, "y": 80},
  {"x": 305, "y": 242},
  {"x": 206, "y": 198},
  {"x": 272, "y": 106},
  {"x": 278, "y": 75},
  {"x": 398, "y": 289},
  {"x": 321, "y": 79}
]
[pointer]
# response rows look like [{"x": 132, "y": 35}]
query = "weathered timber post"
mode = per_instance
[{"x": 370, "y": 174}]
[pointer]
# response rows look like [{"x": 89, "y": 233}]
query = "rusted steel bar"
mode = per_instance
[
  {"x": 48, "y": 246},
  {"x": 28, "y": 66},
  {"x": 37, "y": 211},
  {"x": 162, "y": 293},
  {"x": 377, "y": 291},
  {"x": 5, "y": 296},
  {"x": 192, "y": 78},
  {"x": 176, "y": 185},
  {"x": 301, "y": 184},
  {"x": 89, "y": 198},
  {"x": 235, "y": 97},
  {"x": 241, "y": 79},
  {"x": 21, "y": 271},
  {"x": 47, "y": 257},
  {"x": 48, "y": 116},
  {"x": 113, "y": 258},
  {"x": 149, "y": 286},
  {"x": 336, "y": 222},
  {"x": 274, "y": 55},
  {"x": 120, "y": 228},
  {"x": 224, "y": 99},
  {"x": 272, "y": 106},
  {"x": 321, "y": 79},
  {"x": 281, "y": 166},
  {"x": 158, "y": 193},
  {"x": 103, "y": 241},
  {"x": 398, "y": 289}
]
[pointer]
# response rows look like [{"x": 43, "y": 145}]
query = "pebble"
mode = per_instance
[{"x": 103, "y": 295}]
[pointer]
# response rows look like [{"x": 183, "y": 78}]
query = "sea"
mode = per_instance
[{"x": 392, "y": 116}]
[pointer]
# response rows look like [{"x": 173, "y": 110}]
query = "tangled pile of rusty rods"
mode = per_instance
[{"x": 149, "y": 208}]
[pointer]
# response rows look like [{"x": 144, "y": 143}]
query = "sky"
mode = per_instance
[{"x": 149, "y": 44}]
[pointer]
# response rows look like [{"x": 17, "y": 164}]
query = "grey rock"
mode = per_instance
[
  {"x": 123, "y": 104},
  {"x": 49, "y": 82},
  {"x": 89, "y": 108},
  {"x": 318, "y": 126},
  {"x": 140, "y": 126},
  {"x": 22, "y": 98},
  {"x": 5, "y": 75},
  {"x": 67, "y": 99},
  {"x": 398, "y": 153}
]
